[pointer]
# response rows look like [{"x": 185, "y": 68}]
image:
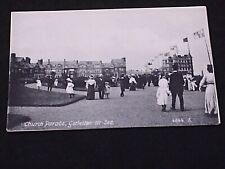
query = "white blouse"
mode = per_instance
[
  {"x": 90, "y": 82},
  {"x": 208, "y": 79}
]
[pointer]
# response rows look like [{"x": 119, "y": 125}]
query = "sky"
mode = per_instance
[{"x": 138, "y": 34}]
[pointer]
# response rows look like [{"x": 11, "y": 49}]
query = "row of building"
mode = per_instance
[
  {"x": 23, "y": 67},
  {"x": 164, "y": 63}
]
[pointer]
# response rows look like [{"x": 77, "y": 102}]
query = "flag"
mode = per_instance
[
  {"x": 199, "y": 34},
  {"x": 185, "y": 40}
]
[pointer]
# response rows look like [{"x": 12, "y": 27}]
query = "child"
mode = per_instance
[
  {"x": 193, "y": 84},
  {"x": 107, "y": 89},
  {"x": 163, "y": 93},
  {"x": 56, "y": 82},
  {"x": 38, "y": 83},
  {"x": 69, "y": 88}
]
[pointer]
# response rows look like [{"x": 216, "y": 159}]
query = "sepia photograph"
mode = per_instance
[{"x": 111, "y": 68}]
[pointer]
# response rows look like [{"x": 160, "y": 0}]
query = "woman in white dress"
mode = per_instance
[
  {"x": 193, "y": 84},
  {"x": 69, "y": 88},
  {"x": 210, "y": 92},
  {"x": 189, "y": 85},
  {"x": 163, "y": 93},
  {"x": 38, "y": 83},
  {"x": 56, "y": 82},
  {"x": 132, "y": 82},
  {"x": 107, "y": 89}
]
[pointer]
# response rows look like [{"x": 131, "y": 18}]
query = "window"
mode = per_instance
[
  {"x": 121, "y": 69},
  {"x": 96, "y": 66}
]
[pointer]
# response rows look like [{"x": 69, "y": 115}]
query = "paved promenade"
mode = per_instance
[{"x": 136, "y": 109}]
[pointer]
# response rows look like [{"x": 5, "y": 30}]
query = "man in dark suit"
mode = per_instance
[
  {"x": 176, "y": 87},
  {"x": 122, "y": 85},
  {"x": 101, "y": 86},
  {"x": 50, "y": 82}
]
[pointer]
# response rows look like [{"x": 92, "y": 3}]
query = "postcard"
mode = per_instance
[{"x": 111, "y": 68}]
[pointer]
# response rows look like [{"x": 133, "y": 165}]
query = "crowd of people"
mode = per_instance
[
  {"x": 173, "y": 85},
  {"x": 131, "y": 82},
  {"x": 50, "y": 81},
  {"x": 176, "y": 84}
]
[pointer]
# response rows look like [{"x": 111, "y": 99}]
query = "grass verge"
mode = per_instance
[{"x": 23, "y": 96}]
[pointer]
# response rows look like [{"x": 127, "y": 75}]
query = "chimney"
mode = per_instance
[
  {"x": 124, "y": 59},
  {"x": 40, "y": 61},
  {"x": 49, "y": 61},
  {"x": 27, "y": 60}
]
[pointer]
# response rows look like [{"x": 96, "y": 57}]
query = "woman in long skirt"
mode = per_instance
[
  {"x": 90, "y": 85},
  {"x": 210, "y": 93},
  {"x": 163, "y": 93},
  {"x": 133, "y": 83}
]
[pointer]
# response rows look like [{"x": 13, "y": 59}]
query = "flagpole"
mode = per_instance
[
  {"x": 189, "y": 49},
  {"x": 207, "y": 51},
  {"x": 203, "y": 32},
  {"x": 186, "y": 40}
]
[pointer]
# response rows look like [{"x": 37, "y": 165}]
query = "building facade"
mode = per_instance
[
  {"x": 87, "y": 68},
  {"x": 39, "y": 69},
  {"x": 185, "y": 64},
  {"x": 119, "y": 66},
  {"x": 22, "y": 67},
  {"x": 61, "y": 68},
  {"x": 108, "y": 70}
]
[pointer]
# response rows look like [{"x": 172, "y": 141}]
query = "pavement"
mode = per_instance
[{"x": 135, "y": 109}]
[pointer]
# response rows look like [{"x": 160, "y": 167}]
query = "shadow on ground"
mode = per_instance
[{"x": 15, "y": 120}]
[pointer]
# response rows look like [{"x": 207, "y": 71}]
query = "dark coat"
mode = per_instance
[
  {"x": 122, "y": 83},
  {"x": 101, "y": 84},
  {"x": 176, "y": 82},
  {"x": 50, "y": 81}
]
